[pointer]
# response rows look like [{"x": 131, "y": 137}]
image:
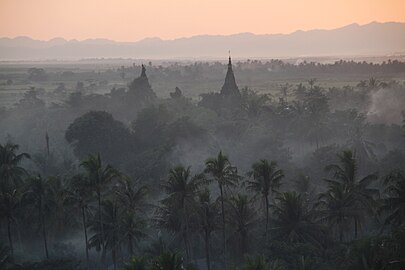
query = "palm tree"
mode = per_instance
[
  {"x": 241, "y": 217},
  {"x": 160, "y": 243},
  {"x": 136, "y": 263},
  {"x": 357, "y": 190},
  {"x": 10, "y": 172},
  {"x": 9, "y": 202},
  {"x": 362, "y": 85},
  {"x": 132, "y": 229},
  {"x": 373, "y": 83},
  {"x": 293, "y": 220},
  {"x": 316, "y": 111},
  {"x": 207, "y": 216},
  {"x": 182, "y": 190},
  {"x": 131, "y": 199},
  {"x": 357, "y": 140},
  {"x": 394, "y": 203},
  {"x": 403, "y": 121},
  {"x": 225, "y": 175},
  {"x": 40, "y": 194},
  {"x": 11, "y": 176},
  {"x": 253, "y": 104},
  {"x": 4, "y": 256},
  {"x": 79, "y": 194},
  {"x": 61, "y": 216},
  {"x": 299, "y": 118},
  {"x": 167, "y": 216},
  {"x": 168, "y": 261},
  {"x": 130, "y": 196},
  {"x": 266, "y": 180},
  {"x": 306, "y": 263},
  {"x": 284, "y": 90},
  {"x": 312, "y": 82},
  {"x": 336, "y": 207},
  {"x": 260, "y": 263},
  {"x": 99, "y": 176},
  {"x": 110, "y": 227}
]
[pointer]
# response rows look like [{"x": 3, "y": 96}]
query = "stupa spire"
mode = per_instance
[
  {"x": 141, "y": 88},
  {"x": 230, "y": 87},
  {"x": 143, "y": 72}
]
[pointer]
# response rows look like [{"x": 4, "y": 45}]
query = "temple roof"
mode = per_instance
[{"x": 230, "y": 87}]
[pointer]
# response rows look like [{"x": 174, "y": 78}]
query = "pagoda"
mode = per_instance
[
  {"x": 141, "y": 89},
  {"x": 230, "y": 88}
]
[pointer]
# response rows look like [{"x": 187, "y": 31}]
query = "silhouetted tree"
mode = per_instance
[
  {"x": 207, "y": 218},
  {"x": 11, "y": 173},
  {"x": 40, "y": 194},
  {"x": 266, "y": 180},
  {"x": 345, "y": 181},
  {"x": 293, "y": 221},
  {"x": 394, "y": 201},
  {"x": 221, "y": 170},
  {"x": 99, "y": 176},
  {"x": 241, "y": 217},
  {"x": 182, "y": 189}
]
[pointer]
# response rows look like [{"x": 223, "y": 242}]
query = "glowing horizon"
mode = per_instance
[{"x": 126, "y": 20}]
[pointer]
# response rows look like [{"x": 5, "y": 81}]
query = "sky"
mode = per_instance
[{"x": 132, "y": 20}]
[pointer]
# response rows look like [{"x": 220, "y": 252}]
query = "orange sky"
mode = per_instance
[{"x": 131, "y": 20}]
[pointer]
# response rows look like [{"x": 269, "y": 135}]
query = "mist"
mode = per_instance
[{"x": 122, "y": 163}]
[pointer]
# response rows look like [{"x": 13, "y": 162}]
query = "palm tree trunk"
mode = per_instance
[
  {"x": 187, "y": 235},
  {"x": 103, "y": 256},
  {"x": 85, "y": 238},
  {"x": 207, "y": 250},
  {"x": 130, "y": 246},
  {"x": 101, "y": 227},
  {"x": 223, "y": 223},
  {"x": 10, "y": 239},
  {"x": 244, "y": 246},
  {"x": 19, "y": 236},
  {"x": 114, "y": 257},
  {"x": 267, "y": 214},
  {"x": 355, "y": 228},
  {"x": 120, "y": 255},
  {"x": 186, "y": 246},
  {"x": 42, "y": 217}
]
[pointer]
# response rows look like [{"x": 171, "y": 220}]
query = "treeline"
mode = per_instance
[
  {"x": 338, "y": 67},
  {"x": 216, "y": 218},
  {"x": 200, "y": 70}
]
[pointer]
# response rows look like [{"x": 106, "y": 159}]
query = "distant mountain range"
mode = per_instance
[{"x": 352, "y": 40}]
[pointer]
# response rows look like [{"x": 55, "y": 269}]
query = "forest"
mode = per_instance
[{"x": 292, "y": 171}]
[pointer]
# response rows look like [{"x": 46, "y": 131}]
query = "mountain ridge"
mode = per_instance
[{"x": 352, "y": 39}]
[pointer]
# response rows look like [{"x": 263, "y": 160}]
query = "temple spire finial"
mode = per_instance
[
  {"x": 230, "y": 87},
  {"x": 143, "y": 73}
]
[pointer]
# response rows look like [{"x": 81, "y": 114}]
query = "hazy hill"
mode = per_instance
[{"x": 370, "y": 39}]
